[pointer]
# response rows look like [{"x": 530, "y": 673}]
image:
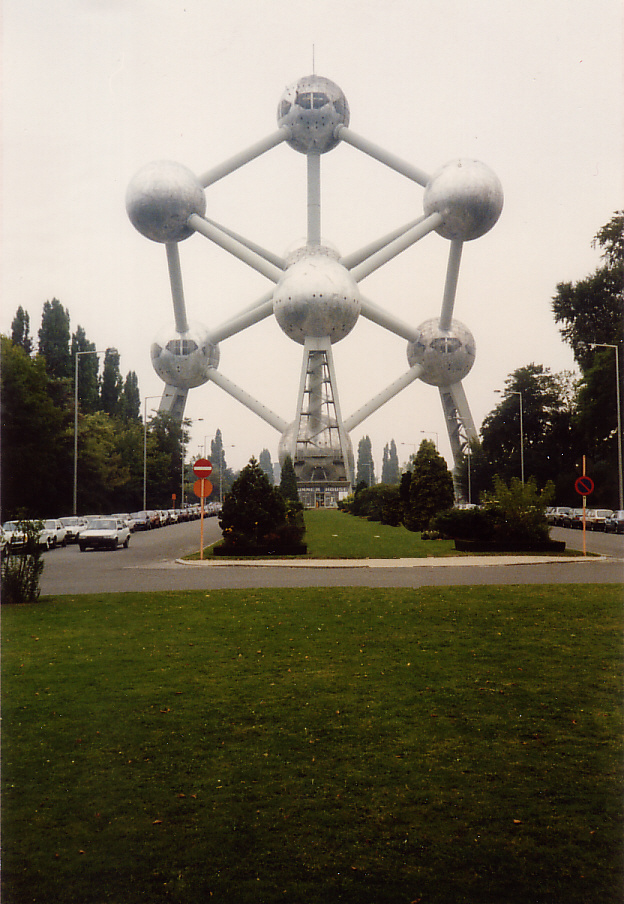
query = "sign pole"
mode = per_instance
[
  {"x": 201, "y": 532},
  {"x": 584, "y": 509}
]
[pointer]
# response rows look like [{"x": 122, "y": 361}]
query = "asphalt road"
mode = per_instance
[{"x": 149, "y": 564}]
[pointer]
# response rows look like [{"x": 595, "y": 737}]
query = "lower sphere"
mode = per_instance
[
  {"x": 446, "y": 356},
  {"x": 184, "y": 360}
]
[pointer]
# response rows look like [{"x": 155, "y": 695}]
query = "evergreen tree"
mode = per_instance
[
  {"x": 265, "y": 463},
  {"x": 130, "y": 399},
  {"x": 88, "y": 365},
  {"x": 288, "y": 481},
  {"x": 253, "y": 511},
  {"x": 390, "y": 466},
  {"x": 20, "y": 331},
  {"x": 54, "y": 339},
  {"x": 365, "y": 465},
  {"x": 431, "y": 488},
  {"x": 112, "y": 382}
]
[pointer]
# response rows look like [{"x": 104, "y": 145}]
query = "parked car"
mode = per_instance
[
  {"x": 557, "y": 515},
  {"x": 597, "y": 517},
  {"x": 57, "y": 533},
  {"x": 104, "y": 533},
  {"x": 141, "y": 520},
  {"x": 615, "y": 523},
  {"x": 125, "y": 516},
  {"x": 14, "y": 537},
  {"x": 72, "y": 525},
  {"x": 574, "y": 520}
]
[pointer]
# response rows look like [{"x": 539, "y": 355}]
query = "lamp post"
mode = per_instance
[
  {"x": 431, "y": 433},
  {"x": 519, "y": 394},
  {"x": 145, "y": 401},
  {"x": 78, "y": 354},
  {"x": 619, "y": 415}
]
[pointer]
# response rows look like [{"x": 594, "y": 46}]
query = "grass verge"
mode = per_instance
[{"x": 370, "y": 746}]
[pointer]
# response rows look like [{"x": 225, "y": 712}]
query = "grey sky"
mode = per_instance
[{"x": 94, "y": 89}]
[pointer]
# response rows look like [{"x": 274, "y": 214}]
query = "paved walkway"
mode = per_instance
[{"x": 486, "y": 561}]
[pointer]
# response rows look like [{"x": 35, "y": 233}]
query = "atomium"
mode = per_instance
[{"x": 315, "y": 292}]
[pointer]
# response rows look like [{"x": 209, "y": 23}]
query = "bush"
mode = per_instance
[
  {"x": 377, "y": 503},
  {"x": 513, "y": 514},
  {"x": 22, "y": 568}
]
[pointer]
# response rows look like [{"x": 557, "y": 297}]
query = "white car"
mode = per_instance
[
  {"x": 13, "y": 536},
  {"x": 104, "y": 533},
  {"x": 56, "y": 533}
]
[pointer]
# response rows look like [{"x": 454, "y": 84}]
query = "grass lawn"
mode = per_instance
[{"x": 448, "y": 745}]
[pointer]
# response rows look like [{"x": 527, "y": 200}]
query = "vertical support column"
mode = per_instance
[
  {"x": 450, "y": 286},
  {"x": 177, "y": 292},
  {"x": 314, "y": 199},
  {"x": 461, "y": 429},
  {"x": 173, "y": 402}
]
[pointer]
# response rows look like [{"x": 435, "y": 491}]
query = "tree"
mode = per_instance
[
  {"x": 548, "y": 402},
  {"x": 112, "y": 382},
  {"x": 88, "y": 389},
  {"x": 35, "y": 430},
  {"x": 431, "y": 488},
  {"x": 54, "y": 339},
  {"x": 288, "y": 481},
  {"x": 254, "y": 512},
  {"x": 166, "y": 438},
  {"x": 20, "y": 331},
  {"x": 130, "y": 398},
  {"x": 592, "y": 309},
  {"x": 265, "y": 463},
  {"x": 365, "y": 464},
  {"x": 390, "y": 466},
  {"x": 591, "y": 312}
]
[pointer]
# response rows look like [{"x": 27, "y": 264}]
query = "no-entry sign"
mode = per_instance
[
  {"x": 584, "y": 485},
  {"x": 202, "y": 468}
]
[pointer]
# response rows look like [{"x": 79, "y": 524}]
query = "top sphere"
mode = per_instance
[
  {"x": 313, "y": 108},
  {"x": 160, "y": 199},
  {"x": 468, "y": 195}
]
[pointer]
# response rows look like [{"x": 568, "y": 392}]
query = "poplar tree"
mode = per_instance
[{"x": 54, "y": 339}]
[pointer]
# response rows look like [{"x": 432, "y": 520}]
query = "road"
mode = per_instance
[{"x": 149, "y": 564}]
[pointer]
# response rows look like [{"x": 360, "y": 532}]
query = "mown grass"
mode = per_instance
[
  {"x": 331, "y": 534},
  {"x": 315, "y": 745}
]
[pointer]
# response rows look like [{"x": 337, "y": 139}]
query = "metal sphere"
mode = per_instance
[
  {"x": 311, "y": 459},
  {"x": 447, "y": 356},
  {"x": 316, "y": 297},
  {"x": 468, "y": 195},
  {"x": 313, "y": 108},
  {"x": 184, "y": 360},
  {"x": 160, "y": 199}
]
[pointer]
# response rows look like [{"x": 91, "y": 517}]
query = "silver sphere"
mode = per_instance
[
  {"x": 184, "y": 360},
  {"x": 160, "y": 199},
  {"x": 447, "y": 356},
  {"x": 315, "y": 461},
  {"x": 316, "y": 297},
  {"x": 313, "y": 108},
  {"x": 468, "y": 195}
]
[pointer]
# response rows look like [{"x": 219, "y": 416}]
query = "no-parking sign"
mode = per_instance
[{"x": 584, "y": 485}]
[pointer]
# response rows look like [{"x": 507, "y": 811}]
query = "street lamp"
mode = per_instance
[
  {"x": 89, "y": 352},
  {"x": 619, "y": 414},
  {"x": 519, "y": 394},
  {"x": 145, "y": 401},
  {"x": 433, "y": 433}
]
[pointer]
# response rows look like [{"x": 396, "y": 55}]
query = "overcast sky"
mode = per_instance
[{"x": 94, "y": 89}]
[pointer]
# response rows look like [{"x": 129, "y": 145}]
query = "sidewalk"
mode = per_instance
[{"x": 484, "y": 561}]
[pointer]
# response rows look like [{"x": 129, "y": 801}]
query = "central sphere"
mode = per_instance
[
  {"x": 316, "y": 297},
  {"x": 312, "y": 109}
]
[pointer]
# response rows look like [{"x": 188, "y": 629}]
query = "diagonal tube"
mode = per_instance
[
  {"x": 238, "y": 160},
  {"x": 388, "y": 393},
  {"x": 177, "y": 291},
  {"x": 375, "y": 261},
  {"x": 253, "y": 260},
  {"x": 378, "y": 153},
  {"x": 450, "y": 286}
]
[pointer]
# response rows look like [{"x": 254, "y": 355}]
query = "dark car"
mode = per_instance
[{"x": 141, "y": 520}]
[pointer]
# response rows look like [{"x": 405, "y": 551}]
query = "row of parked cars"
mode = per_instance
[
  {"x": 98, "y": 531},
  {"x": 595, "y": 519}
]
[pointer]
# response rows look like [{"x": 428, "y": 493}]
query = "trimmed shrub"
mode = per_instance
[{"x": 22, "y": 567}]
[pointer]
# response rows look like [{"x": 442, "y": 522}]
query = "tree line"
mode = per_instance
[{"x": 38, "y": 409}]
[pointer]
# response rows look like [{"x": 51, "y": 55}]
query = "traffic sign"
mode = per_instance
[
  {"x": 584, "y": 485},
  {"x": 202, "y": 488},
  {"x": 202, "y": 467}
]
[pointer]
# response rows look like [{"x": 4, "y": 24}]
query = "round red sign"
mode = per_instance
[
  {"x": 202, "y": 467},
  {"x": 584, "y": 485}
]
